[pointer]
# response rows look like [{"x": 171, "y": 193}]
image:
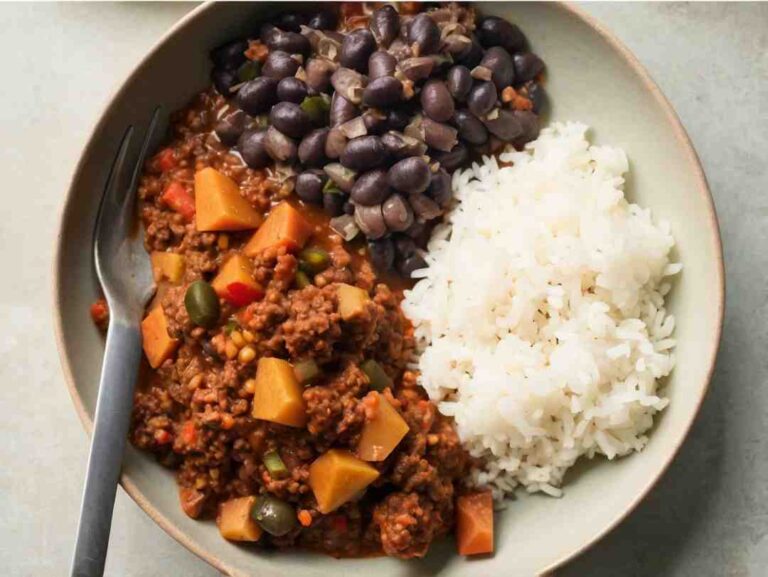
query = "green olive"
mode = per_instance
[
  {"x": 202, "y": 304},
  {"x": 302, "y": 279},
  {"x": 273, "y": 515}
]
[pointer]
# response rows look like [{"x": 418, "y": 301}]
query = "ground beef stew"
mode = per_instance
[{"x": 283, "y": 217}]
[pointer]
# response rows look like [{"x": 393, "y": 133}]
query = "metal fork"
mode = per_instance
[{"x": 125, "y": 273}]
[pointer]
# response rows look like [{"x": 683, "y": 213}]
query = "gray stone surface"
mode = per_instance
[{"x": 708, "y": 516}]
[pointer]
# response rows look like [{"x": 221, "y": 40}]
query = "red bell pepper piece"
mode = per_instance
[
  {"x": 166, "y": 159},
  {"x": 240, "y": 294},
  {"x": 180, "y": 200}
]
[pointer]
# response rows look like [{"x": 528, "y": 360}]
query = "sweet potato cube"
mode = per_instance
[
  {"x": 157, "y": 343},
  {"x": 284, "y": 226},
  {"x": 352, "y": 301},
  {"x": 382, "y": 433},
  {"x": 338, "y": 476},
  {"x": 238, "y": 268},
  {"x": 474, "y": 523},
  {"x": 167, "y": 266},
  {"x": 277, "y": 395},
  {"x": 235, "y": 522},
  {"x": 219, "y": 205}
]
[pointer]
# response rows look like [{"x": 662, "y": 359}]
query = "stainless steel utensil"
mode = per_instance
[{"x": 125, "y": 273}]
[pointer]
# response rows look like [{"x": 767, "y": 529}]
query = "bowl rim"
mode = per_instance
[{"x": 694, "y": 166}]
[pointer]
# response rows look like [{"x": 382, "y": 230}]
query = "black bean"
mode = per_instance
[
  {"x": 279, "y": 65},
  {"x": 383, "y": 92},
  {"x": 371, "y": 188},
  {"x": 290, "y": 42},
  {"x": 335, "y": 143},
  {"x": 398, "y": 118},
  {"x": 230, "y": 127},
  {"x": 323, "y": 20},
  {"x": 381, "y": 63},
  {"x": 375, "y": 121},
  {"x": 452, "y": 159},
  {"x": 418, "y": 68},
  {"x": 309, "y": 185},
  {"x": 290, "y": 119},
  {"x": 409, "y": 175},
  {"x": 382, "y": 253},
  {"x": 385, "y": 24},
  {"x": 231, "y": 55},
  {"x": 527, "y": 66},
  {"x": 319, "y": 73},
  {"x": 399, "y": 145},
  {"x": 363, "y": 153},
  {"x": 423, "y": 31},
  {"x": 472, "y": 55},
  {"x": 266, "y": 32},
  {"x": 371, "y": 221},
  {"x": 312, "y": 148},
  {"x": 438, "y": 135},
  {"x": 436, "y": 101},
  {"x": 502, "y": 68},
  {"x": 279, "y": 146},
  {"x": 419, "y": 232},
  {"x": 342, "y": 110},
  {"x": 398, "y": 214},
  {"x": 258, "y": 95},
  {"x": 456, "y": 44},
  {"x": 291, "y": 21},
  {"x": 291, "y": 89},
  {"x": 424, "y": 207},
  {"x": 333, "y": 203},
  {"x": 504, "y": 125},
  {"x": 530, "y": 124},
  {"x": 407, "y": 266},
  {"x": 440, "y": 189},
  {"x": 404, "y": 246},
  {"x": 470, "y": 128},
  {"x": 356, "y": 48},
  {"x": 251, "y": 145},
  {"x": 459, "y": 82},
  {"x": 482, "y": 98},
  {"x": 349, "y": 208},
  {"x": 349, "y": 84},
  {"x": 495, "y": 31},
  {"x": 224, "y": 79}
]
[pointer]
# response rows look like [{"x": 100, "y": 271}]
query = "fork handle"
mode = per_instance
[{"x": 111, "y": 422}]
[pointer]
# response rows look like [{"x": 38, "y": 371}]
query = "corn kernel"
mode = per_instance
[
  {"x": 246, "y": 354},
  {"x": 237, "y": 338},
  {"x": 230, "y": 350},
  {"x": 249, "y": 336},
  {"x": 250, "y": 386}
]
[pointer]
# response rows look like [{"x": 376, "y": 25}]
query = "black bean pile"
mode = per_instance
[{"x": 370, "y": 123}]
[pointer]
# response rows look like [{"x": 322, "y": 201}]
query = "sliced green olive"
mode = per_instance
[
  {"x": 316, "y": 108},
  {"x": 377, "y": 377},
  {"x": 275, "y": 465},
  {"x": 331, "y": 188},
  {"x": 202, "y": 304},
  {"x": 314, "y": 260},
  {"x": 306, "y": 371},
  {"x": 273, "y": 515},
  {"x": 302, "y": 280},
  {"x": 248, "y": 70}
]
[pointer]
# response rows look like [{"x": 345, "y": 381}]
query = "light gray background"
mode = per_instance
[{"x": 60, "y": 63}]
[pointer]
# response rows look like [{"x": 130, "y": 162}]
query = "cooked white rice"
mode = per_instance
[{"x": 541, "y": 315}]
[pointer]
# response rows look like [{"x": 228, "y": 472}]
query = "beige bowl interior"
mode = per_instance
[{"x": 591, "y": 78}]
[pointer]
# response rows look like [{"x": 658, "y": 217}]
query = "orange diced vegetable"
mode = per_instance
[
  {"x": 277, "y": 396},
  {"x": 284, "y": 226},
  {"x": 235, "y": 522},
  {"x": 352, "y": 301},
  {"x": 383, "y": 432},
  {"x": 474, "y": 523},
  {"x": 158, "y": 345},
  {"x": 235, "y": 281},
  {"x": 180, "y": 200},
  {"x": 100, "y": 314},
  {"x": 304, "y": 517},
  {"x": 167, "y": 265},
  {"x": 192, "y": 501},
  {"x": 337, "y": 477},
  {"x": 219, "y": 204},
  {"x": 189, "y": 433}
]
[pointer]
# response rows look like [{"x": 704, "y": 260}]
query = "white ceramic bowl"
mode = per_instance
[{"x": 592, "y": 78}]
